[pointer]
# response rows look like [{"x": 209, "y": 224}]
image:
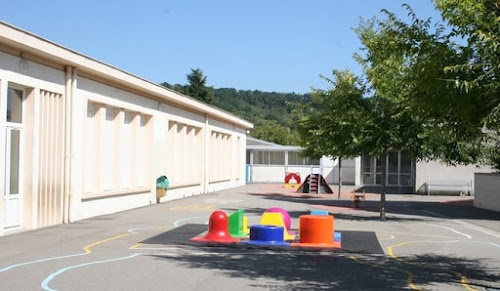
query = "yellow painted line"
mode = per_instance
[
  {"x": 463, "y": 279},
  {"x": 135, "y": 246},
  {"x": 409, "y": 279},
  {"x": 87, "y": 247}
]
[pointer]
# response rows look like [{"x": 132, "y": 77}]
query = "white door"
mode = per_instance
[{"x": 13, "y": 197}]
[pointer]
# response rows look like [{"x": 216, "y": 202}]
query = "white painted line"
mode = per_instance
[
  {"x": 451, "y": 229},
  {"x": 477, "y": 228}
]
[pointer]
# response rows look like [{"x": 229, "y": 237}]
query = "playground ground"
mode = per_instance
[{"x": 427, "y": 243}]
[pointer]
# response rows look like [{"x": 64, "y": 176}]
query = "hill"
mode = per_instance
[{"x": 270, "y": 112}]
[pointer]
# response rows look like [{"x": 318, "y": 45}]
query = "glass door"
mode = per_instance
[{"x": 13, "y": 159}]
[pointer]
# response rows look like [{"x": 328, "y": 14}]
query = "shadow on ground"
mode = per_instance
[
  {"x": 451, "y": 209},
  {"x": 286, "y": 269}
]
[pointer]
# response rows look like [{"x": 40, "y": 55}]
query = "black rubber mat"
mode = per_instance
[
  {"x": 352, "y": 241},
  {"x": 360, "y": 241},
  {"x": 181, "y": 234}
]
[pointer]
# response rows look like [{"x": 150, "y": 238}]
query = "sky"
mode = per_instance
[{"x": 266, "y": 45}]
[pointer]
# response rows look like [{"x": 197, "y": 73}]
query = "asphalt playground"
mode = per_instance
[{"x": 427, "y": 243}]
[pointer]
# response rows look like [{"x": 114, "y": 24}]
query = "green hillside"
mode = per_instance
[
  {"x": 270, "y": 112},
  {"x": 273, "y": 119}
]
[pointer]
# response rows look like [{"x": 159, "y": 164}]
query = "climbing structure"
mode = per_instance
[{"x": 314, "y": 183}]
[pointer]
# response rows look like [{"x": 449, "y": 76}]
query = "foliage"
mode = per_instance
[
  {"x": 197, "y": 87},
  {"x": 269, "y": 111},
  {"x": 478, "y": 22},
  {"x": 270, "y": 130},
  {"x": 331, "y": 123}
]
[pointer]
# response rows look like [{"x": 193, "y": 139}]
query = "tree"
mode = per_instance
[
  {"x": 331, "y": 123},
  {"x": 197, "y": 87},
  {"x": 270, "y": 130},
  {"x": 344, "y": 123},
  {"x": 478, "y": 22}
]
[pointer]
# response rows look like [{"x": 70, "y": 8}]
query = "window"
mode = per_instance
[
  {"x": 294, "y": 159},
  {"x": 116, "y": 151},
  {"x": 185, "y": 151},
  {"x": 399, "y": 170},
  {"x": 14, "y": 105},
  {"x": 238, "y": 159},
  {"x": 221, "y": 154}
]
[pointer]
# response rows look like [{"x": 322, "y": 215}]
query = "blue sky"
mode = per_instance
[{"x": 267, "y": 45}]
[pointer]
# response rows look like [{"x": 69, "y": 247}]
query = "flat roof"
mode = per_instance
[{"x": 37, "y": 46}]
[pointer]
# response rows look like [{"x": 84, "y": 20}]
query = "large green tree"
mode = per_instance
[
  {"x": 331, "y": 123},
  {"x": 197, "y": 87},
  {"x": 343, "y": 122},
  {"x": 478, "y": 23},
  {"x": 270, "y": 130}
]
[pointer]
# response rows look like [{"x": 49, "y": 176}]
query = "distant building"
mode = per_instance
[
  {"x": 268, "y": 162},
  {"x": 81, "y": 138}
]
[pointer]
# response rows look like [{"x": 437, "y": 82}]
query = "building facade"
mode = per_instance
[
  {"x": 80, "y": 138},
  {"x": 269, "y": 163}
]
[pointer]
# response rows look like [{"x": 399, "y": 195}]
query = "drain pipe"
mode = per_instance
[
  {"x": 69, "y": 95},
  {"x": 71, "y": 144},
  {"x": 67, "y": 133}
]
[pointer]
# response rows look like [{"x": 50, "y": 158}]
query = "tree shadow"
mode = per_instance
[
  {"x": 354, "y": 216},
  {"x": 295, "y": 269},
  {"x": 458, "y": 209}
]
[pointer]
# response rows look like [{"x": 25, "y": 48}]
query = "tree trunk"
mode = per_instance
[
  {"x": 382, "y": 186},
  {"x": 340, "y": 177}
]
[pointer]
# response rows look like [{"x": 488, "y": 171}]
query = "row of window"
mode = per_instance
[
  {"x": 399, "y": 169},
  {"x": 278, "y": 158},
  {"x": 221, "y": 151},
  {"x": 185, "y": 154},
  {"x": 116, "y": 152}
]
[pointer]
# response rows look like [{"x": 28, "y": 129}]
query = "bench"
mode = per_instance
[
  {"x": 357, "y": 197},
  {"x": 460, "y": 187}
]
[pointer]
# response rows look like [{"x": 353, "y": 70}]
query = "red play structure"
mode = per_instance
[{"x": 289, "y": 176}]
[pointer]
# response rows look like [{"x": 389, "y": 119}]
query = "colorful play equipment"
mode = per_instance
[
  {"x": 276, "y": 219},
  {"x": 292, "y": 180},
  {"x": 284, "y": 214},
  {"x": 315, "y": 183},
  {"x": 266, "y": 235},
  {"x": 319, "y": 212},
  {"x": 238, "y": 224},
  {"x": 317, "y": 231},
  {"x": 217, "y": 230}
]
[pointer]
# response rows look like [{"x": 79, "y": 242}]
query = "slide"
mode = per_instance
[{"x": 313, "y": 188}]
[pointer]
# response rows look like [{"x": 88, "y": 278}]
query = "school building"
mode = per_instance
[
  {"x": 80, "y": 138},
  {"x": 269, "y": 162}
]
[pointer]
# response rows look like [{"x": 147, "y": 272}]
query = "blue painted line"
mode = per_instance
[
  {"x": 40, "y": 261},
  {"x": 45, "y": 283}
]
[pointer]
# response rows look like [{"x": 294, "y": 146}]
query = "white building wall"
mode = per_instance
[
  {"x": 84, "y": 203},
  {"x": 435, "y": 171},
  {"x": 276, "y": 173},
  {"x": 487, "y": 187}
]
